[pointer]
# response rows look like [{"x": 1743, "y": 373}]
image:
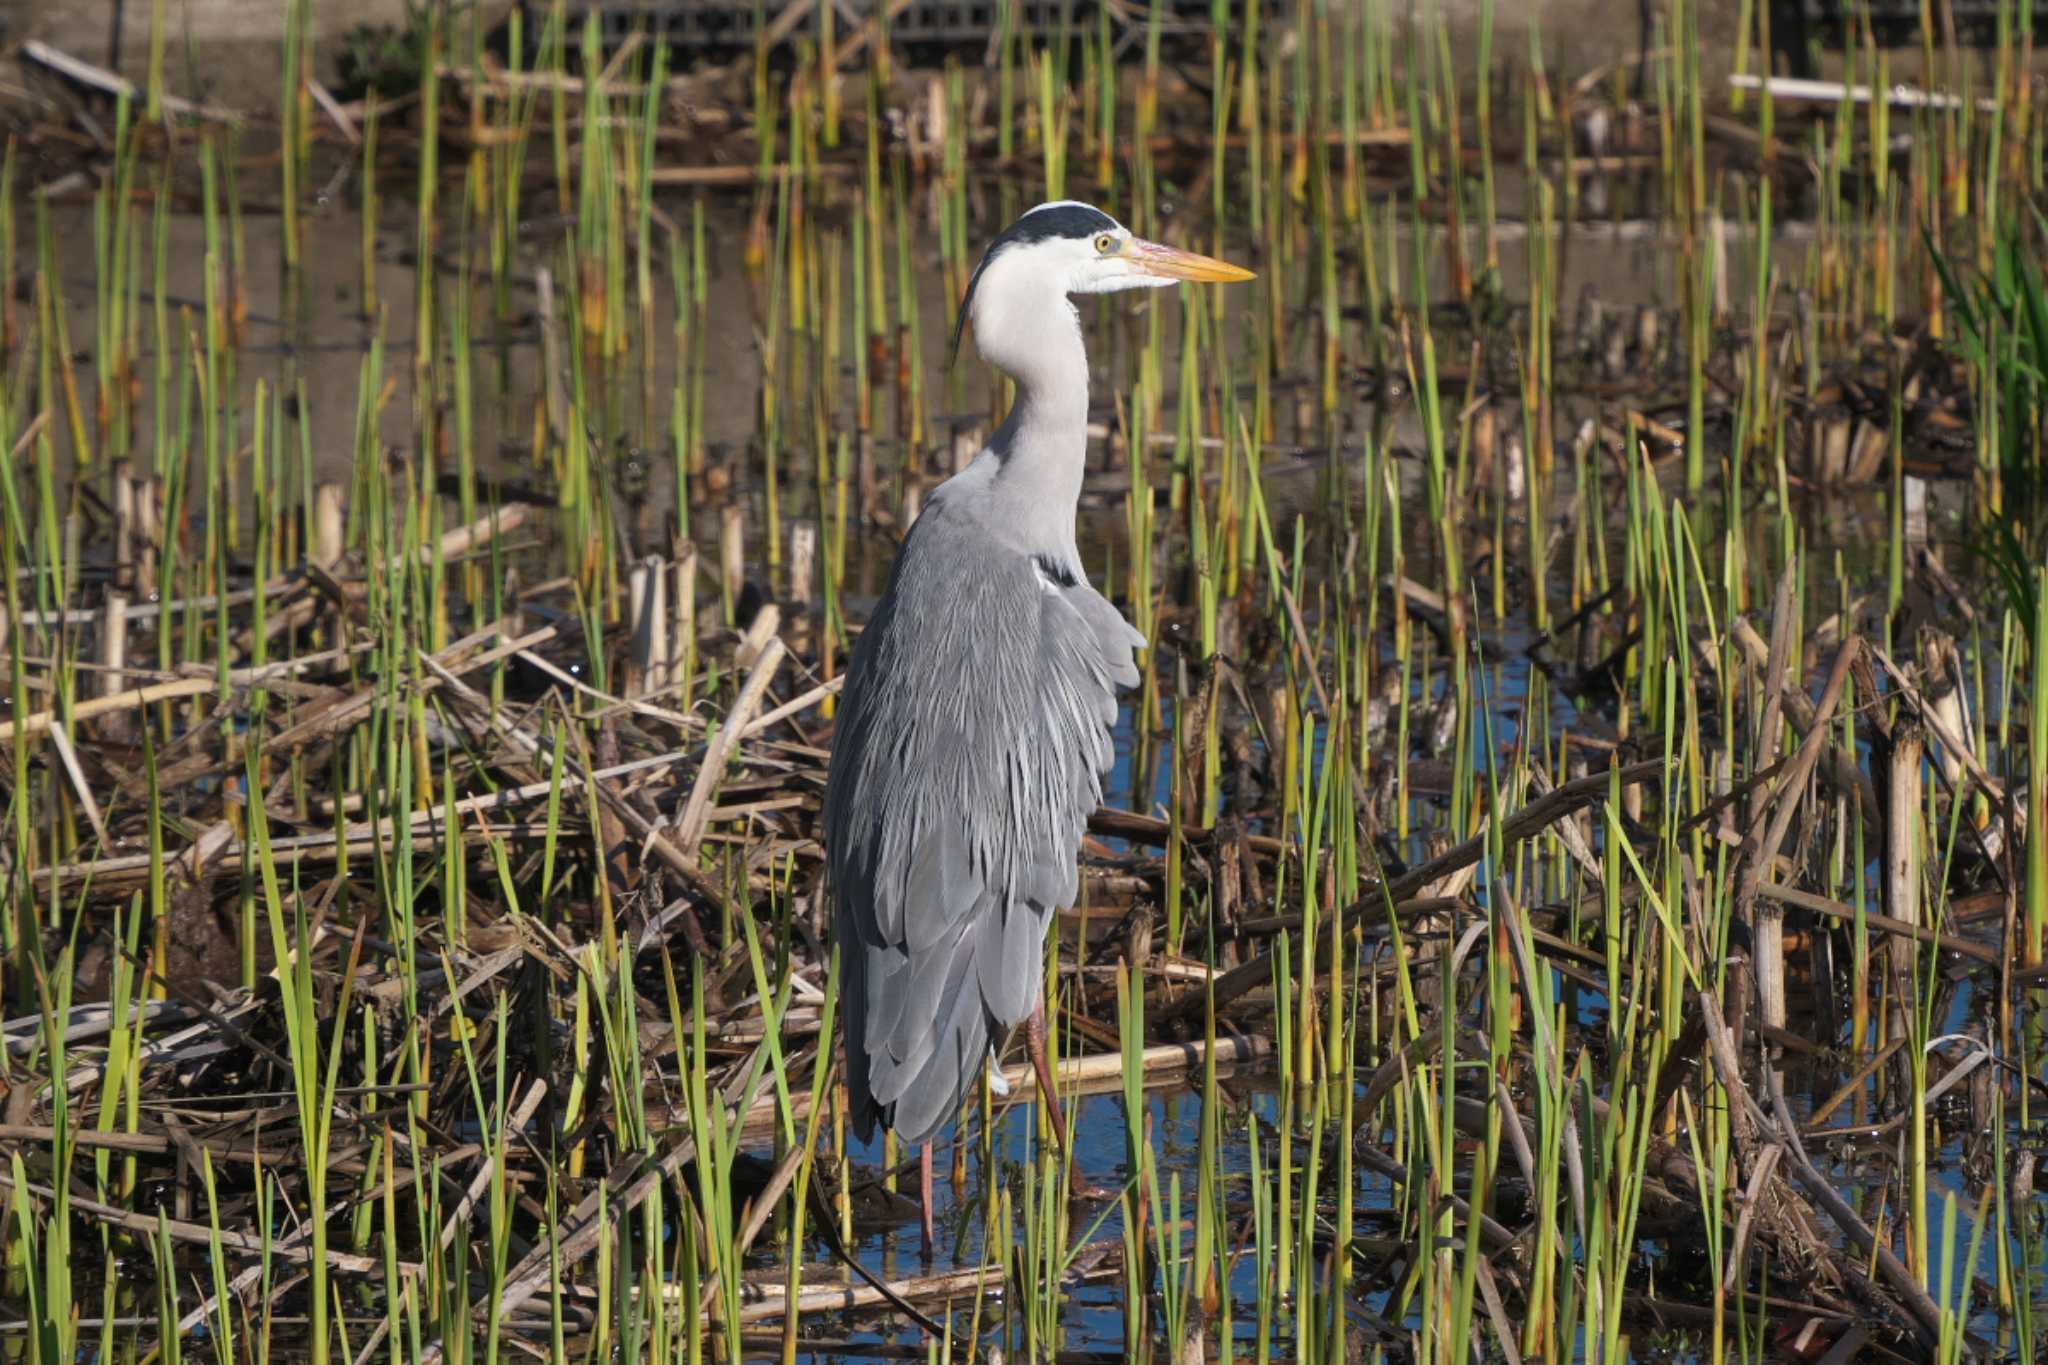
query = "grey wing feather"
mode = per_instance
[
  {"x": 1114, "y": 636},
  {"x": 974, "y": 733}
]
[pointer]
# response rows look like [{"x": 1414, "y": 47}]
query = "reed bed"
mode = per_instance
[{"x": 1575, "y": 884}]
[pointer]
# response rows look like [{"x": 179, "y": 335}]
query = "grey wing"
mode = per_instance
[
  {"x": 973, "y": 736},
  {"x": 1115, "y": 637}
]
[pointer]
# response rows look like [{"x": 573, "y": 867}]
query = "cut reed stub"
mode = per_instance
[
  {"x": 113, "y": 641},
  {"x": 149, "y": 534},
  {"x": 115, "y": 726},
  {"x": 1867, "y": 451},
  {"x": 647, "y": 670},
  {"x": 803, "y": 558},
  {"x": 1943, "y": 681},
  {"x": 1915, "y": 518},
  {"x": 1843, "y": 450},
  {"x": 1829, "y": 454},
  {"x": 330, "y": 525},
  {"x": 682, "y": 601},
  {"x": 124, "y": 527},
  {"x": 1903, "y": 858},
  {"x": 1485, "y": 430},
  {"x": 732, "y": 551}
]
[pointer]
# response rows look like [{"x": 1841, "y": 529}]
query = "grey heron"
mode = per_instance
[{"x": 974, "y": 729}]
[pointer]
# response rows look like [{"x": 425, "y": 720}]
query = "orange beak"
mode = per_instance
[{"x": 1172, "y": 263}]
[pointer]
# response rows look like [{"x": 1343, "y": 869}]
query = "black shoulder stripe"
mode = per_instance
[{"x": 1055, "y": 571}]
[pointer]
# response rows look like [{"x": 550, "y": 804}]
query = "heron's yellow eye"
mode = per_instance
[{"x": 1105, "y": 244}]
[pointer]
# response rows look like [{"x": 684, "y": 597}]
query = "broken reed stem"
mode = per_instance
[
  {"x": 683, "y": 629},
  {"x": 99, "y": 706},
  {"x": 1767, "y": 919},
  {"x": 732, "y": 554},
  {"x": 690, "y": 827},
  {"x": 1902, "y": 863},
  {"x": 329, "y": 529},
  {"x": 114, "y": 726},
  {"x": 647, "y": 596},
  {"x": 803, "y": 550}
]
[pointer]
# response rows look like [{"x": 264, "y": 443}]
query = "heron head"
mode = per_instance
[{"x": 1065, "y": 248}]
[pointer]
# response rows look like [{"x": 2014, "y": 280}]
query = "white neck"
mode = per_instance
[{"x": 1034, "y": 335}]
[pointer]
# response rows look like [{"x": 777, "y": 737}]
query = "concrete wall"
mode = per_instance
[
  {"x": 227, "y": 50},
  {"x": 1579, "y": 35}
]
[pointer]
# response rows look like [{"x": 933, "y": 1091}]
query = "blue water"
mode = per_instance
[{"x": 1093, "y": 1317}]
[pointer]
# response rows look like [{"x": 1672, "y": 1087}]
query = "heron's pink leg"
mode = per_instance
[
  {"x": 924, "y": 1185},
  {"x": 1034, "y": 1041}
]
